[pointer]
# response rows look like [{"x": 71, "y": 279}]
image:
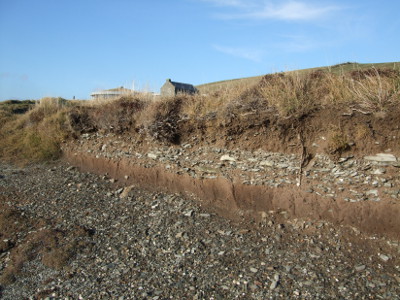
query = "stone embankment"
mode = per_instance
[{"x": 362, "y": 192}]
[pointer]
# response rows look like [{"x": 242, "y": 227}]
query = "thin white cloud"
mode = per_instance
[
  {"x": 291, "y": 10},
  {"x": 246, "y": 53}
]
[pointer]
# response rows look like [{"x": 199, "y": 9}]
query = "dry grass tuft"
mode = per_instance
[
  {"x": 290, "y": 94},
  {"x": 296, "y": 94},
  {"x": 375, "y": 90},
  {"x": 337, "y": 142},
  {"x": 215, "y": 105},
  {"x": 362, "y": 131}
]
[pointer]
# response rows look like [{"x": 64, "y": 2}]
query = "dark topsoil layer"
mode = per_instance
[{"x": 346, "y": 132}]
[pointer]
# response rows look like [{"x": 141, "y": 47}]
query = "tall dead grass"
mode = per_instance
[
  {"x": 295, "y": 94},
  {"x": 213, "y": 105},
  {"x": 37, "y": 134},
  {"x": 289, "y": 94},
  {"x": 375, "y": 90}
]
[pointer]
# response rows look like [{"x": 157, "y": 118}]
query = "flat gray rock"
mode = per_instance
[{"x": 381, "y": 157}]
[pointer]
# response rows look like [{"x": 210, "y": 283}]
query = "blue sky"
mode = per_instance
[{"x": 71, "y": 48}]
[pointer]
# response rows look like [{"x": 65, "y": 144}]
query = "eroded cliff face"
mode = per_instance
[
  {"x": 336, "y": 164},
  {"x": 354, "y": 189}
]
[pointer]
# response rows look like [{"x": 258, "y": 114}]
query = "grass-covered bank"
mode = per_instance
[
  {"x": 286, "y": 98},
  {"x": 36, "y": 134}
]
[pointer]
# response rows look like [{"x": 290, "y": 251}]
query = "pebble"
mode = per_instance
[
  {"x": 274, "y": 282},
  {"x": 254, "y": 270},
  {"x": 204, "y": 215},
  {"x": 227, "y": 158},
  {"x": 379, "y": 171},
  {"x": 384, "y": 257},
  {"x": 267, "y": 163},
  {"x": 372, "y": 192},
  {"x": 152, "y": 155},
  {"x": 359, "y": 268},
  {"x": 189, "y": 213}
]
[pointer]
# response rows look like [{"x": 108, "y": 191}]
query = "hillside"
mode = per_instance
[{"x": 337, "y": 69}]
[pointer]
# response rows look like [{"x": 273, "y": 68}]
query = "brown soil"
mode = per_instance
[
  {"x": 236, "y": 201},
  {"x": 365, "y": 133}
]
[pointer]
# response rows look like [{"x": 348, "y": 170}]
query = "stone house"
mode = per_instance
[{"x": 172, "y": 88}]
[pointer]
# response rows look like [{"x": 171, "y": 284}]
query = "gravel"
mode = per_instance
[{"x": 148, "y": 245}]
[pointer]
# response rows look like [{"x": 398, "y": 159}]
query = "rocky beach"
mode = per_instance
[{"x": 87, "y": 236}]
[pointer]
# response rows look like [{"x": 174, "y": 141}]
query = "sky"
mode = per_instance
[{"x": 71, "y": 48}]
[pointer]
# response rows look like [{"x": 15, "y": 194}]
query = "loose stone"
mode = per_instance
[{"x": 384, "y": 257}]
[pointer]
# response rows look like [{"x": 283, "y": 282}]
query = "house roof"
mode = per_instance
[
  {"x": 115, "y": 91},
  {"x": 182, "y": 86},
  {"x": 120, "y": 89}
]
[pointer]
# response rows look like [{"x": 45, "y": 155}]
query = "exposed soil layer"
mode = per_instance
[
  {"x": 234, "y": 200},
  {"x": 337, "y": 133},
  {"x": 329, "y": 130}
]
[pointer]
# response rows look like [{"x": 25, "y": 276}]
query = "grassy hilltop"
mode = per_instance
[{"x": 336, "y": 69}]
